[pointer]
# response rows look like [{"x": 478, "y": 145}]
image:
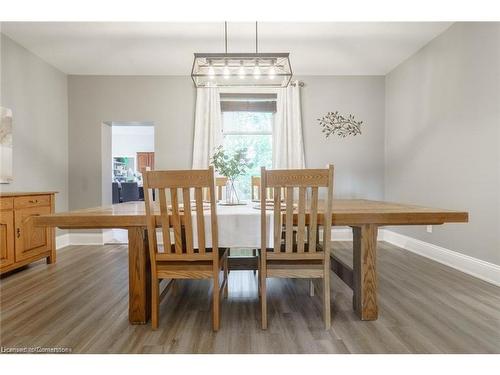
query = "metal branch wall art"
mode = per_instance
[{"x": 336, "y": 124}]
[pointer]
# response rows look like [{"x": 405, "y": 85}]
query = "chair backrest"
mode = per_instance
[
  {"x": 307, "y": 212},
  {"x": 180, "y": 182},
  {"x": 220, "y": 184},
  {"x": 129, "y": 191},
  {"x": 255, "y": 189}
]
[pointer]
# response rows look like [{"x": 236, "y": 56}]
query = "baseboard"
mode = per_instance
[
  {"x": 63, "y": 240},
  {"x": 345, "y": 234},
  {"x": 341, "y": 234},
  {"x": 81, "y": 239},
  {"x": 107, "y": 235},
  {"x": 475, "y": 267}
]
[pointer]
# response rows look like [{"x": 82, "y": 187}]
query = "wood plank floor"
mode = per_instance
[{"x": 81, "y": 302}]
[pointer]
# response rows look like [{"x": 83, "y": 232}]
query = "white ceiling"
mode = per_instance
[{"x": 139, "y": 48}]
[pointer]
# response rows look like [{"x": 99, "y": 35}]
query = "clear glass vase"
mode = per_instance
[{"x": 231, "y": 194}]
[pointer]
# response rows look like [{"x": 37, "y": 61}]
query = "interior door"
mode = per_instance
[
  {"x": 30, "y": 240},
  {"x": 6, "y": 238}
]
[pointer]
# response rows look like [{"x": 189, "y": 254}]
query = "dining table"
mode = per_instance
[{"x": 239, "y": 226}]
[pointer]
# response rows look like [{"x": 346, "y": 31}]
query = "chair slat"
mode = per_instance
[
  {"x": 301, "y": 225},
  {"x": 313, "y": 215},
  {"x": 277, "y": 221},
  {"x": 188, "y": 225},
  {"x": 289, "y": 220},
  {"x": 214, "y": 231},
  {"x": 151, "y": 223},
  {"x": 200, "y": 220},
  {"x": 255, "y": 184},
  {"x": 165, "y": 222},
  {"x": 269, "y": 193},
  {"x": 327, "y": 229},
  {"x": 176, "y": 223}
]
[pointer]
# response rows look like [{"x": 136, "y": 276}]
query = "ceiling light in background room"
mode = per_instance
[{"x": 230, "y": 69}]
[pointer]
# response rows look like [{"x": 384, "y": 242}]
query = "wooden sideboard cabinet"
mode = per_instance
[{"x": 20, "y": 241}]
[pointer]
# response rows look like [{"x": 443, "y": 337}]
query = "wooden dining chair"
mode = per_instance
[
  {"x": 304, "y": 257},
  {"x": 255, "y": 189},
  {"x": 220, "y": 186},
  {"x": 180, "y": 259}
]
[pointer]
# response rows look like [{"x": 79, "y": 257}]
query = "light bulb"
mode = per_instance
[
  {"x": 211, "y": 72},
  {"x": 256, "y": 71},
  {"x": 272, "y": 72},
  {"x": 241, "y": 71},
  {"x": 226, "y": 72}
]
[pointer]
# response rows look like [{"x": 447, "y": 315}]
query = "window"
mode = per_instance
[{"x": 251, "y": 129}]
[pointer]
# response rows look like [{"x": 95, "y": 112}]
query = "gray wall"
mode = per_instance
[
  {"x": 170, "y": 101},
  {"x": 37, "y": 94},
  {"x": 167, "y": 101},
  {"x": 443, "y": 136},
  {"x": 359, "y": 160}
]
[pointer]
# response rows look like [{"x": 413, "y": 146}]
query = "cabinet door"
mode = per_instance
[
  {"x": 6, "y": 238},
  {"x": 30, "y": 240}
]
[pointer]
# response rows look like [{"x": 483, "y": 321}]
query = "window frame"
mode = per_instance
[{"x": 252, "y": 90}]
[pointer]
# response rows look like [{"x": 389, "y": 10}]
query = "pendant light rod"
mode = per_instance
[
  {"x": 225, "y": 35},
  {"x": 256, "y": 39}
]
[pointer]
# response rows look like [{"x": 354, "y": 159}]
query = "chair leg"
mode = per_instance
[
  {"x": 254, "y": 253},
  {"x": 215, "y": 305},
  {"x": 155, "y": 296},
  {"x": 259, "y": 282},
  {"x": 263, "y": 298},
  {"x": 326, "y": 293},
  {"x": 226, "y": 273},
  {"x": 311, "y": 288}
]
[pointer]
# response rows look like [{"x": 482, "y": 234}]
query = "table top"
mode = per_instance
[{"x": 346, "y": 212}]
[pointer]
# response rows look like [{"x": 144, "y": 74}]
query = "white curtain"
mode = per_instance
[
  {"x": 207, "y": 126},
  {"x": 288, "y": 144}
]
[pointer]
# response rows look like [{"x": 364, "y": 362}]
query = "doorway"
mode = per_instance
[{"x": 128, "y": 150}]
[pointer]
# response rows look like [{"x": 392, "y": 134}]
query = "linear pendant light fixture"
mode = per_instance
[{"x": 241, "y": 69}]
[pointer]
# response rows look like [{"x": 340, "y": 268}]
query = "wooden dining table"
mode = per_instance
[{"x": 363, "y": 216}]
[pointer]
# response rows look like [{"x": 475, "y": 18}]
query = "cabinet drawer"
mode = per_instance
[
  {"x": 6, "y": 203},
  {"x": 32, "y": 201}
]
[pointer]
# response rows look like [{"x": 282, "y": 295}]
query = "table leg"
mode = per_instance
[
  {"x": 365, "y": 272},
  {"x": 139, "y": 289}
]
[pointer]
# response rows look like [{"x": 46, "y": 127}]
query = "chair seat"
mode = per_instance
[
  {"x": 189, "y": 268},
  {"x": 184, "y": 257},
  {"x": 303, "y": 269},
  {"x": 282, "y": 254}
]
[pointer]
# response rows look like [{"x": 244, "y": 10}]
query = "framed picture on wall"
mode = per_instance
[{"x": 6, "y": 175}]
